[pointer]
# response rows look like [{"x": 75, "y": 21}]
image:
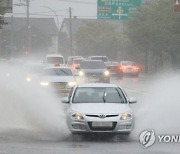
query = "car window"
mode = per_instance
[
  {"x": 98, "y": 95},
  {"x": 57, "y": 72},
  {"x": 77, "y": 61},
  {"x": 92, "y": 65},
  {"x": 53, "y": 60}
]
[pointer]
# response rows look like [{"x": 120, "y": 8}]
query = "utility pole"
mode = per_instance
[
  {"x": 58, "y": 25},
  {"x": 28, "y": 27},
  {"x": 70, "y": 30},
  {"x": 12, "y": 37}
]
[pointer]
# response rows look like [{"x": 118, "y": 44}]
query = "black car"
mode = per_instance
[{"x": 93, "y": 71}]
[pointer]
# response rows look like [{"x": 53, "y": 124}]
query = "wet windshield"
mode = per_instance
[
  {"x": 54, "y": 60},
  {"x": 98, "y": 95},
  {"x": 100, "y": 58},
  {"x": 92, "y": 65},
  {"x": 57, "y": 72}
]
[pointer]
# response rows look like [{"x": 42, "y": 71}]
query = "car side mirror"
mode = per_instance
[
  {"x": 132, "y": 100},
  {"x": 108, "y": 67},
  {"x": 77, "y": 67},
  {"x": 65, "y": 100}
]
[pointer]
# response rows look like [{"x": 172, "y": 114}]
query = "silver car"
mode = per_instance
[
  {"x": 99, "y": 107},
  {"x": 59, "y": 78}
]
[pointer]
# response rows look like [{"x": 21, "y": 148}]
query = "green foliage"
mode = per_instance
[
  {"x": 2, "y": 12},
  {"x": 98, "y": 38},
  {"x": 156, "y": 28}
]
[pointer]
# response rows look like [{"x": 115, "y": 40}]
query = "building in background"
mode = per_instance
[
  {"x": 64, "y": 34},
  {"x": 43, "y": 36},
  {"x": 7, "y": 5}
]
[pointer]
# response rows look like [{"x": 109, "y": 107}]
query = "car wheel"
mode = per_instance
[
  {"x": 77, "y": 136},
  {"x": 121, "y": 137},
  {"x": 120, "y": 76},
  {"x": 136, "y": 75}
]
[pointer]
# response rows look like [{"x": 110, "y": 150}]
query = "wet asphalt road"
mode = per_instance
[{"x": 97, "y": 144}]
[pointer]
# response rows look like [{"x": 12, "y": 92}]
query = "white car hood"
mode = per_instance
[
  {"x": 101, "y": 108},
  {"x": 58, "y": 78}
]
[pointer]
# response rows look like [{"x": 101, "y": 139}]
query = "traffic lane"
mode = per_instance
[
  {"x": 97, "y": 144},
  {"x": 136, "y": 84},
  {"x": 47, "y": 147}
]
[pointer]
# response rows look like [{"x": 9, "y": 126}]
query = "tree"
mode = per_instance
[
  {"x": 155, "y": 29},
  {"x": 98, "y": 38},
  {"x": 2, "y": 12}
]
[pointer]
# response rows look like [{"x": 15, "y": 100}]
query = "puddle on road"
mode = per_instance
[{"x": 27, "y": 110}]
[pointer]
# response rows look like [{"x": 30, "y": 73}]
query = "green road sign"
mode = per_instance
[{"x": 116, "y": 9}]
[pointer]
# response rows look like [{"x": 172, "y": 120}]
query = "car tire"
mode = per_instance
[
  {"x": 76, "y": 136},
  {"x": 121, "y": 137},
  {"x": 120, "y": 76},
  {"x": 136, "y": 75}
]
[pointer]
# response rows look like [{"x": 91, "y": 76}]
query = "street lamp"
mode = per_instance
[
  {"x": 28, "y": 27},
  {"x": 55, "y": 15},
  {"x": 58, "y": 25}
]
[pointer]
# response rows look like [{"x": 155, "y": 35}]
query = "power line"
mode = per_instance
[
  {"x": 80, "y": 2},
  {"x": 51, "y": 11},
  {"x": 41, "y": 14}
]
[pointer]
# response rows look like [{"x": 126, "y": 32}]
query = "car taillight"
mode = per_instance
[
  {"x": 74, "y": 66},
  {"x": 120, "y": 68},
  {"x": 57, "y": 64},
  {"x": 136, "y": 68}
]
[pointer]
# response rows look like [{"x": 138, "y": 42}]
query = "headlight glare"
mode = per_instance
[
  {"x": 44, "y": 83},
  {"x": 28, "y": 79},
  {"x": 126, "y": 116},
  {"x": 106, "y": 73},
  {"x": 71, "y": 83},
  {"x": 77, "y": 116},
  {"x": 81, "y": 73}
]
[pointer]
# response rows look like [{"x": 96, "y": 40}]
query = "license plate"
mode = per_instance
[
  {"x": 102, "y": 124},
  {"x": 93, "y": 79},
  {"x": 60, "y": 85}
]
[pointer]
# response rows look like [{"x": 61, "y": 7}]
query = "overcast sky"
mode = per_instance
[{"x": 80, "y": 8}]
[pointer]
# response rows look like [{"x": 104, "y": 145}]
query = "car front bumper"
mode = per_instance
[
  {"x": 85, "y": 126},
  {"x": 95, "y": 79}
]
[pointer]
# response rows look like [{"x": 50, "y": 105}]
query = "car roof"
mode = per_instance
[
  {"x": 51, "y": 67},
  {"x": 127, "y": 61},
  {"x": 97, "y": 56},
  {"x": 84, "y": 85},
  {"x": 54, "y": 55},
  {"x": 92, "y": 61},
  {"x": 79, "y": 58}
]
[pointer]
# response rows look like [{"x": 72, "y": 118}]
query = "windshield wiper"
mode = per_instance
[
  {"x": 61, "y": 71},
  {"x": 104, "y": 95}
]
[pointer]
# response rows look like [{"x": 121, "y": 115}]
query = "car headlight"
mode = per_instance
[
  {"x": 28, "y": 79},
  {"x": 44, "y": 83},
  {"x": 71, "y": 83},
  {"x": 81, "y": 73},
  {"x": 106, "y": 73},
  {"x": 78, "y": 116},
  {"x": 126, "y": 116}
]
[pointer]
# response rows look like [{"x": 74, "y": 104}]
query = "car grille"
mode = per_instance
[
  {"x": 99, "y": 116},
  {"x": 59, "y": 85},
  {"x": 94, "y": 75},
  {"x": 102, "y": 128}
]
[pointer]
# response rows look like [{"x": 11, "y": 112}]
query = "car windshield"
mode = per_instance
[
  {"x": 128, "y": 63},
  {"x": 77, "y": 61},
  {"x": 98, "y": 95},
  {"x": 53, "y": 60},
  {"x": 57, "y": 72},
  {"x": 92, "y": 65},
  {"x": 100, "y": 58}
]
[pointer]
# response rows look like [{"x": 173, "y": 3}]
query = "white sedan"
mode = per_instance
[
  {"x": 60, "y": 78},
  {"x": 99, "y": 107}
]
